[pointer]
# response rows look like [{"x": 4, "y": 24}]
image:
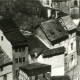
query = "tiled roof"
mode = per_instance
[
  {"x": 4, "y": 58},
  {"x": 53, "y": 30},
  {"x": 53, "y": 52},
  {"x": 35, "y": 69},
  {"x": 8, "y": 25},
  {"x": 16, "y": 38},
  {"x": 68, "y": 23},
  {"x": 66, "y": 77}
]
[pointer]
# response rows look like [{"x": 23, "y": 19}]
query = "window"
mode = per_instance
[
  {"x": 19, "y": 49},
  {"x": 72, "y": 57},
  {"x": 23, "y": 59},
  {"x": 20, "y": 60},
  {"x": 47, "y": 2},
  {"x": 16, "y": 50},
  {"x": 71, "y": 46},
  {"x": 1, "y": 38},
  {"x": 17, "y": 73},
  {"x": 75, "y": 3},
  {"x": 43, "y": 75},
  {"x": 36, "y": 77},
  {"x": 5, "y": 77},
  {"x": 23, "y": 48},
  {"x": 1, "y": 69},
  {"x": 16, "y": 60}
]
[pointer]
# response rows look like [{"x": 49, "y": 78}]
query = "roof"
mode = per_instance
[
  {"x": 8, "y": 25},
  {"x": 75, "y": 13},
  {"x": 68, "y": 22},
  {"x": 16, "y": 38},
  {"x": 12, "y": 32},
  {"x": 4, "y": 58},
  {"x": 53, "y": 30},
  {"x": 39, "y": 46},
  {"x": 66, "y": 77},
  {"x": 35, "y": 69},
  {"x": 53, "y": 52}
]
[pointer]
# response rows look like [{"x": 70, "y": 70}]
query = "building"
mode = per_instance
[
  {"x": 53, "y": 34},
  {"x": 5, "y": 66},
  {"x": 50, "y": 44},
  {"x": 14, "y": 47},
  {"x": 39, "y": 52},
  {"x": 62, "y": 5},
  {"x": 35, "y": 71},
  {"x": 71, "y": 55}
]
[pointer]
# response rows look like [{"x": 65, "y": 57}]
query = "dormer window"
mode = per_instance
[
  {"x": 1, "y": 38},
  {"x": 52, "y": 32}
]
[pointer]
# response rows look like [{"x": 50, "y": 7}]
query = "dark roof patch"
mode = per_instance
[
  {"x": 16, "y": 38},
  {"x": 35, "y": 69},
  {"x": 8, "y": 25},
  {"x": 53, "y": 52}
]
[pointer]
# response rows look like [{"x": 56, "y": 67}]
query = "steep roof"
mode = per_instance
[
  {"x": 53, "y": 30},
  {"x": 16, "y": 38},
  {"x": 8, "y": 25},
  {"x": 53, "y": 52},
  {"x": 35, "y": 69},
  {"x": 4, "y": 58},
  {"x": 68, "y": 23},
  {"x": 12, "y": 33}
]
